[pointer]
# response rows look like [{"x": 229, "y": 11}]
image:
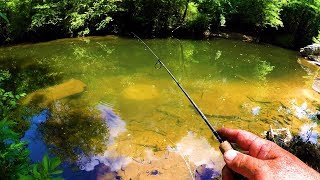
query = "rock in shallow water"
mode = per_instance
[
  {"x": 313, "y": 49},
  {"x": 314, "y": 58},
  {"x": 316, "y": 85},
  {"x": 140, "y": 92},
  {"x": 46, "y": 96}
]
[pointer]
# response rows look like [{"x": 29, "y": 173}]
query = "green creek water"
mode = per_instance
[{"x": 237, "y": 84}]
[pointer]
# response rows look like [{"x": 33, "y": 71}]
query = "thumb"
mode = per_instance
[{"x": 243, "y": 164}]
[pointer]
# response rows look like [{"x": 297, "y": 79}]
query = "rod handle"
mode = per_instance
[{"x": 225, "y": 146}]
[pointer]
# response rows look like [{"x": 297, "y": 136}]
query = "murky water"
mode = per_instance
[{"x": 107, "y": 111}]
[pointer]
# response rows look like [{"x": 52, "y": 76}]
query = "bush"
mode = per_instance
[
  {"x": 14, "y": 156},
  {"x": 316, "y": 39},
  {"x": 253, "y": 15},
  {"x": 301, "y": 20},
  {"x": 18, "y": 15},
  {"x": 292, "y": 23}
]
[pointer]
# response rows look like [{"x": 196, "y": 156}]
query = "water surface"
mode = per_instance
[{"x": 132, "y": 121}]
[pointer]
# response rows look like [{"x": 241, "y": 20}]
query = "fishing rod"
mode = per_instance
[{"x": 224, "y": 145}]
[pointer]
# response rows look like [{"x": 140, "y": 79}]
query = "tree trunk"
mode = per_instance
[{"x": 185, "y": 12}]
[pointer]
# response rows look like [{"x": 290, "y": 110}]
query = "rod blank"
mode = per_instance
[{"x": 216, "y": 134}]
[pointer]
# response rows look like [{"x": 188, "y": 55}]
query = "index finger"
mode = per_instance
[{"x": 243, "y": 138}]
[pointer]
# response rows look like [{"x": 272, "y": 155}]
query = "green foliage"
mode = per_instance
[
  {"x": 4, "y": 17},
  {"x": 14, "y": 157},
  {"x": 301, "y": 19},
  {"x": 47, "y": 169},
  {"x": 18, "y": 14},
  {"x": 259, "y": 13},
  {"x": 209, "y": 14},
  {"x": 66, "y": 17},
  {"x": 316, "y": 39},
  {"x": 28, "y": 19},
  {"x": 156, "y": 16},
  {"x": 8, "y": 100},
  {"x": 81, "y": 16}
]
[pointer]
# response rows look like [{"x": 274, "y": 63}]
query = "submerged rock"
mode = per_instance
[
  {"x": 316, "y": 85},
  {"x": 313, "y": 49},
  {"x": 140, "y": 92},
  {"x": 309, "y": 66},
  {"x": 314, "y": 58},
  {"x": 46, "y": 96},
  {"x": 311, "y": 95}
]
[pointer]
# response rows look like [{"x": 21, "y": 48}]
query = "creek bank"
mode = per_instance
[
  {"x": 313, "y": 49},
  {"x": 231, "y": 35},
  {"x": 305, "y": 150},
  {"x": 312, "y": 53}
]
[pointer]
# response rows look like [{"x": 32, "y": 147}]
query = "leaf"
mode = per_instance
[
  {"x": 56, "y": 172},
  {"x": 35, "y": 172},
  {"x": 54, "y": 163},
  {"x": 13, "y": 103},
  {"x": 27, "y": 177},
  {"x": 4, "y": 17},
  {"x": 58, "y": 178},
  {"x": 11, "y": 95},
  {"x": 45, "y": 162}
]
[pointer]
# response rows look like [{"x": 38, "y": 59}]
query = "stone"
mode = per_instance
[
  {"x": 279, "y": 135},
  {"x": 313, "y": 49},
  {"x": 309, "y": 66},
  {"x": 46, "y": 96},
  {"x": 316, "y": 85},
  {"x": 314, "y": 58},
  {"x": 140, "y": 92}
]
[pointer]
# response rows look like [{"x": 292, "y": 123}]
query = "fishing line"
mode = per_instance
[{"x": 160, "y": 64}]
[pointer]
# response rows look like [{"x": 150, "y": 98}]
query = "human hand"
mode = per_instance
[{"x": 265, "y": 159}]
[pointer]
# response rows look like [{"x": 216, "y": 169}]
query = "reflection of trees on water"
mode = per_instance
[
  {"x": 225, "y": 62},
  {"x": 71, "y": 131},
  {"x": 27, "y": 74},
  {"x": 262, "y": 70},
  {"x": 83, "y": 59}
]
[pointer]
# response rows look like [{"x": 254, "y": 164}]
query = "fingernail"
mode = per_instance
[{"x": 230, "y": 155}]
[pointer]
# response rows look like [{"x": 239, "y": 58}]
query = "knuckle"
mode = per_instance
[{"x": 239, "y": 161}]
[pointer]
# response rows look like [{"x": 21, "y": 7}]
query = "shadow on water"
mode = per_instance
[{"x": 27, "y": 75}]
